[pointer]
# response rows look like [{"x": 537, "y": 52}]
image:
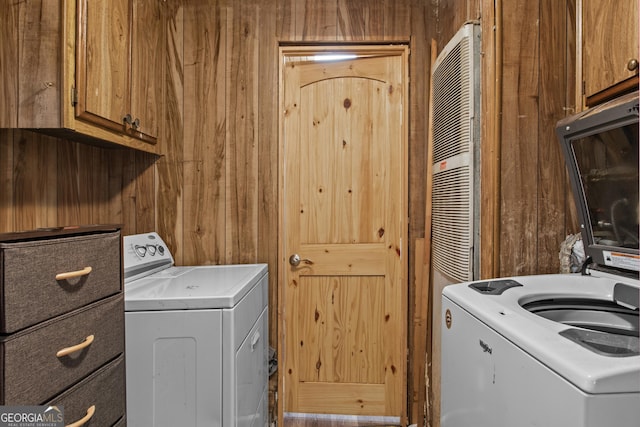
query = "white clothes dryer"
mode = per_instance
[{"x": 196, "y": 340}]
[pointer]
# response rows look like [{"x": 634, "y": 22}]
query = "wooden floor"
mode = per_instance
[{"x": 331, "y": 421}]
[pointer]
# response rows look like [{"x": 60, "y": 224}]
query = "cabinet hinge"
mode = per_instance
[{"x": 74, "y": 96}]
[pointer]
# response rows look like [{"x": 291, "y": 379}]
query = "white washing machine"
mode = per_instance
[
  {"x": 196, "y": 340},
  {"x": 552, "y": 351},
  {"x": 559, "y": 350}
]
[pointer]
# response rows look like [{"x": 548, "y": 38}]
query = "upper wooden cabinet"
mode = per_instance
[
  {"x": 119, "y": 65},
  {"x": 85, "y": 70},
  {"x": 609, "y": 48}
]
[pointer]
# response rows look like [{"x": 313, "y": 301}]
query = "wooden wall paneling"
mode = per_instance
[
  {"x": 491, "y": 77},
  {"x": 9, "y": 17},
  {"x": 49, "y": 182},
  {"x": 418, "y": 336},
  {"x": 68, "y": 174},
  {"x": 418, "y": 126},
  {"x": 573, "y": 101},
  {"x": 116, "y": 186},
  {"x": 130, "y": 190},
  {"x": 445, "y": 22},
  {"x": 169, "y": 193},
  {"x": 397, "y": 20},
  {"x": 316, "y": 20},
  {"x": 359, "y": 20},
  {"x": 35, "y": 179},
  {"x": 571, "y": 66},
  {"x": 520, "y": 161},
  {"x": 7, "y": 208},
  {"x": 126, "y": 170},
  {"x": 98, "y": 198},
  {"x": 285, "y": 20},
  {"x": 451, "y": 15},
  {"x": 242, "y": 133},
  {"x": 144, "y": 204},
  {"x": 418, "y": 117},
  {"x": 204, "y": 133},
  {"x": 169, "y": 214},
  {"x": 267, "y": 243},
  {"x": 40, "y": 53},
  {"x": 93, "y": 166},
  {"x": 76, "y": 183},
  {"x": 554, "y": 58}
]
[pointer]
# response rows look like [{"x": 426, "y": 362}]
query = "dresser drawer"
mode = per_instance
[
  {"x": 104, "y": 390},
  {"x": 29, "y": 290},
  {"x": 33, "y": 373}
]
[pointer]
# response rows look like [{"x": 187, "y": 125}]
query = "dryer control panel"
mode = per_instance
[{"x": 144, "y": 254}]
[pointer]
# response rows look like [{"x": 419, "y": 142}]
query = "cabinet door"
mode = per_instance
[
  {"x": 102, "y": 68},
  {"x": 610, "y": 44},
  {"x": 147, "y": 65}
]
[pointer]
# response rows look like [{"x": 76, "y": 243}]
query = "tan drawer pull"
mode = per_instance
[
  {"x": 73, "y": 274},
  {"x": 83, "y": 420},
  {"x": 68, "y": 350}
]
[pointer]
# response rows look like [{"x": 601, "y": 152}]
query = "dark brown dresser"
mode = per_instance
[{"x": 62, "y": 322}]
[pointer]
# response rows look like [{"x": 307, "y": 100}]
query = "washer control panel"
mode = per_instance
[{"x": 144, "y": 254}]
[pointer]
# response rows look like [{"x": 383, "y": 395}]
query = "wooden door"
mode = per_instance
[
  {"x": 344, "y": 187},
  {"x": 102, "y": 67},
  {"x": 147, "y": 39}
]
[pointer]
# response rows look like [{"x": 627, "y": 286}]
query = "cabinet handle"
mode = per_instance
[
  {"x": 632, "y": 65},
  {"x": 68, "y": 350},
  {"x": 83, "y": 420},
  {"x": 73, "y": 274},
  {"x": 128, "y": 120}
]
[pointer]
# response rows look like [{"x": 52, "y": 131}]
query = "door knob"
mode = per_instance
[{"x": 295, "y": 260}]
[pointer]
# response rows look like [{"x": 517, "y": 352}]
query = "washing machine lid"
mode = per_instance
[
  {"x": 600, "y": 147},
  {"x": 193, "y": 288}
]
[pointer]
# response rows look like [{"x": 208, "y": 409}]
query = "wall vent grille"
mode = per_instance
[{"x": 455, "y": 147}]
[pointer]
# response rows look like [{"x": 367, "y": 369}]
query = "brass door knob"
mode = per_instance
[{"x": 632, "y": 65}]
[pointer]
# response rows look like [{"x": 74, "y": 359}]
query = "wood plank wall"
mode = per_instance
[
  {"x": 532, "y": 69},
  {"x": 212, "y": 194},
  {"x": 47, "y": 182},
  {"x": 538, "y": 85},
  {"x": 223, "y": 178},
  {"x": 537, "y": 78}
]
